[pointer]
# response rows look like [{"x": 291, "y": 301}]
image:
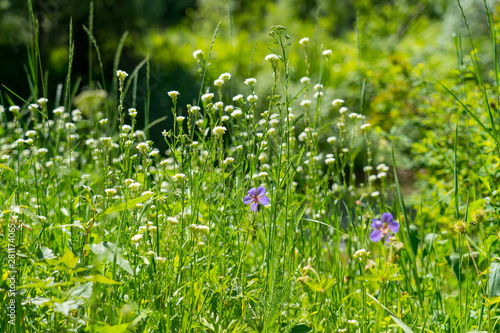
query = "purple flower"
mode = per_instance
[
  {"x": 256, "y": 196},
  {"x": 384, "y": 227}
]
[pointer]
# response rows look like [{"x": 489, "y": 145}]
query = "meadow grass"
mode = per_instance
[{"x": 255, "y": 219}]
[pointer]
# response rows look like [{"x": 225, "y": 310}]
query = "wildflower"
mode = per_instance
[
  {"x": 367, "y": 168},
  {"x": 327, "y": 53},
  {"x": 361, "y": 255},
  {"x": 305, "y": 80},
  {"x": 272, "y": 58},
  {"x": 102, "y": 121},
  {"x": 121, "y": 74},
  {"x": 337, "y": 103},
  {"x": 179, "y": 176},
  {"x": 225, "y": 77},
  {"x": 15, "y": 109},
  {"x": 331, "y": 140},
  {"x": 256, "y": 197},
  {"x": 42, "y": 101},
  {"x": 353, "y": 115},
  {"x": 229, "y": 108},
  {"x": 180, "y": 119},
  {"x": 161, "y": 259},
  {"x": 304, "y": 41},
  {"x": 219, "y": 131},
  {"x": 30, "y": 134},
  {"x": 236, "y": 114},
  {"x": 375, "y": 194},
  {"x": 460, "y": 227},
  {"x": 343, "y": 110},
  {"x": 173, "y": 94},
  {"x": 364, "y": 126},
  {"x": 132, "y": 112},
  {"x": 207, "y": 98},
  {"x": 238, "y": 98},
  {"x": 306, "y": 103},
  {"x": 381, "y": 175},
  {"x": 137, "y": 238},
  {"x": 318, "y": 94},
  {"x": 330, "y": 161},
  {"x": 252, "y": 98},
  {"x": 250, "y": 81},
  {"x": 353, "y": 322},
  {"x": 219, "y": 105},
  {"x": 384, "y": 227},
  {"x": 219, "y": 83},
  {"x": 172, "y": 220},
  {"x": 126, "y": 128},
  {"x": 198, "y": 54},
  {"x": 224, "y": 118},
  {"x": 110, "y": 191}
]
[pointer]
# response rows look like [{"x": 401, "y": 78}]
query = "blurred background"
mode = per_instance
[{"x": 396, "y": 46}]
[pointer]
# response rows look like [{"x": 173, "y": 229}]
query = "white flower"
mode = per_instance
[
  {"x": 179, "y": 177},
  {"x": 238, "y": 98},
  {"x": 219, "y": 83},
  {"x": 194, "y": 109},
  {"x": 353, "y": 115},
  {"x": 381, "y": 175},
  {"x": 180, "y": 119},
  {"x": 161, "y": 259},
  {"x": 364, "y": 126},
  {"x": 252, "y": 98},
  {"x": 343, "y": 110},
  {"x": 30, "y": 134},
  {"x": 110, "y": 191},
  {"x": 103, "y": 121},
  {"x": 372, "y": 178},
  {"x": 236, "y": 114},
  {"x": 126, "y": 128},
  {"x": 57, "y": 111},
  {"x": 207, "y": 98},
  {"x": 121, "y": 74},
  {"x": 318, "y": 87},
  {"x": 251, "y": 81},
  {"x": 331, "y": 140},
  {"x": 225, "y": 77},
  {"x": 327, "y": 53},
  {"x": 135, "y": 186},
  {"x": 132, "y": 112},
  {"x": 272, "y": 58},
  {"x": 218, "y": 131},
  {"x": 375, "y": 194},
  {"x": 203, "y": 228},
  {"x": 229, "y": 108},
  {"x": 198, "y": 54},
  {"x": 304, "y": 41},
  {"x": 42, "y": 101},
  {"x": 137, "y": 238},
  {"x": 15, "y": 109},
  {"x": 353, "y": 322},
  {"x": 219, "y": 105},
  {"x": 143, "y": 147},
  {"x": 330, "y": 161},
  {"x": 224, "y": 118},
  {"x": 337, "y": 103},
  {"x": 172, "y": 220},
  {"x": 305, "y": 80},
  {"x": 367, "y": 168},
  {"x": 306, "y": 103},
  {"x": 318, "y": 94},
  {"x": 173, "y": 94}
]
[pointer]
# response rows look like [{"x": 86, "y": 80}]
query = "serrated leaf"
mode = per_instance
[
  {"x": 107, "y": 250},
  {"x": 66, "y": 307},
  {"x": 69, "y": 259},
  {"x": 82, "y": 290},
  {"x": 126, "y": 205}
]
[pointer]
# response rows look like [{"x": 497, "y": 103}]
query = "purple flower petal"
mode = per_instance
[
  {"x": 376, "y": 224},
  {"x": 254, "y": 206},
  {"x": 247, "y": 199},
  {"x": 261, "y": 190},
  {"x": 394, "y": 226},
  {"x": 264, "y": 200},
  {"x": 251, "y": 192},
  {"x": 376, "y": 236},
  {"x": 387, "y": 217}
]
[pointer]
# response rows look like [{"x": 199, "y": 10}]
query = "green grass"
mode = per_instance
[{"x": 112, "y": 235}]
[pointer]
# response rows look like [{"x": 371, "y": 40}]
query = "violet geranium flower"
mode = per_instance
[
  {"x": 256, "y": 196},
  {"x": 384, "y": 227}
]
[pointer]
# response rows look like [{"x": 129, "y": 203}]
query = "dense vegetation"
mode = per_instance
[{"x": 223, "y": 173}]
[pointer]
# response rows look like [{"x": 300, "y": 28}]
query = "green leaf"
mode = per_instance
[
  {"x": 69, "y": 259},
  {"x": 82, "y": 290},
  {"x": 393, "y": 316},
  {"x": 301, "y": 328},
  {"x": 46, "y": 253},
  {"x": 66, "y": 307},
  {"x": 3, "y": 166},
  {"x": 122, "y": 328},
  {"x": 107, "y": 250},
  {"x": 126, "y": 205},
  {"x": 494, "y": 281},
  {"x": 96, "y": 278}
]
